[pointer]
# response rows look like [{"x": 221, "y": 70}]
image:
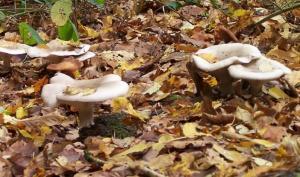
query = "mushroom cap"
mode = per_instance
[
  {"x": 49, "y": 93},
  {"x": 61, "y": 78},
  {"x": 262, "y": 69},
  {"x": 13, "y": 48},
  {"x": 225, "y": 55},
  {"x": 104, "y": 91},
  {"x": 107, "y": 87},
  {"x": 86, "y": 56},
  {"x": 57, "y": 48}
]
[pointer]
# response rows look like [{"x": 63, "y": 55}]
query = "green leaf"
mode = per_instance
[
  {"x": 61, "y": 11},
  {"x": 68, "y": 32},
  {"x": 174, "y": 5},
  {"x": 2, "y": 16},
  {"x": 98, "y": 3},
  {"x": 29, "y": 35}
]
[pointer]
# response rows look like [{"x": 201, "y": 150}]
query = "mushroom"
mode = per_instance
[
  {"x": 68, "y": 65},
  {"x": 57, "y": 48},
  {"x": 215, "y": 60},
  {"x": 86, "y": 56},
  {"x": 9, "y": 49},
  {"x": 258, "y": 72},
  {"x": 82, "y": 93}
]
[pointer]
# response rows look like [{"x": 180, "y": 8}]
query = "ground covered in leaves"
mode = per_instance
[{"x": 160, "y": 128}]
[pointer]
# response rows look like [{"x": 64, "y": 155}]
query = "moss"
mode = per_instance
[{"x": 109, "y": 125}]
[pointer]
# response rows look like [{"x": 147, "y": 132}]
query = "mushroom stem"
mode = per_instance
[
  {"x": 195, "y": 76},
  {"x": 255, "y": 86},
  {"x": 85, "y": 114},
  {"x": 224, "y": 81},
  {"x": 202, "y": 89}
]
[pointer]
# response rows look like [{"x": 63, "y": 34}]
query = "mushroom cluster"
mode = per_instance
[
  {"x": 82, "y": 94},
  {"x": 234, "y": 61},
  {"x": 54, "y": 51}
]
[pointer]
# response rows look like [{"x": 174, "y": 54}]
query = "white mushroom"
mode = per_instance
[
  {"x": 57, "y": 48},
  {"x": 258, "y": 72},
  {"x": 86, "y": 56},
  {"x": 107, "y": 87},
  {"x": 216, "y": 59},
  {"x": 9, "y": 49}
]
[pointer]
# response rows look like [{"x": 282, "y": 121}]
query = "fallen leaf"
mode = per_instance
[
  {"x": 277, "y": 93},
  {"x": 234, "y": 156},
  {"x": 21, "y": 113},
  {"x": 190, "y": 130},
  {"x": 123, "y": 104},
  {"x": 136, "y": 148}
]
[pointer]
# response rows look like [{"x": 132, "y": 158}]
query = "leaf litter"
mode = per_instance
[{"x": 176, "y": 134}]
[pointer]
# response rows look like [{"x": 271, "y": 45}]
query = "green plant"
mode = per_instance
[
  {"x": 68, "y": 32},
  {"x": 29, "y": 35}
]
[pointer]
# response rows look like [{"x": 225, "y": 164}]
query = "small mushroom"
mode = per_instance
[
  {"x": 215, "y": 60},
  {"x": 258, "y": 72},
  {"x": 83, "y": 93},
  {"x": 68, "y": 65},
  {"x": 9, "y": 49},
  {"x": 57, "y": 48}
]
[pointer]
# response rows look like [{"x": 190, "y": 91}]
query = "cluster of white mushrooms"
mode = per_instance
[
  {"x": 62, "y": 88},
  {"x": 55, "y": 49},
  {"x": 234, "y": 61}
]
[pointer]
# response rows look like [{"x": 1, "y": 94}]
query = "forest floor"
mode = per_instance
[{"x": 160, "y": 128}]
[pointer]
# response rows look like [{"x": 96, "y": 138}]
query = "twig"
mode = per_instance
[
  {"x": 149, "y": 171},
  {"x": 294, "y": 6}
]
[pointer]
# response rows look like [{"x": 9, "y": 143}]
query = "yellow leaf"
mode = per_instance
[
  {"x": 75, "y": 91},
  {"x": 88, "y": 91},
  {"x": 208, "y": 57},
  {"x": 89, "y": 32},
  {"x": 72, "y": 91},
  {"x": 136, "y": 148},
  {"x": 165, "y": 138},
  {"x": 190, "y": 130},
  {"x": 126, "y": 65},
  {"x": 25, "y": 134},
  {"x": 212, "y": 81},
  {"x": 240, "y": 13},
  {"x": 21, "y": 113},
  {"x": 123, "y": 104},
  {"x": 45, "y": 130},
  {"x": 277, "y": 93},
  {"x": 76, "y": 74}
]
